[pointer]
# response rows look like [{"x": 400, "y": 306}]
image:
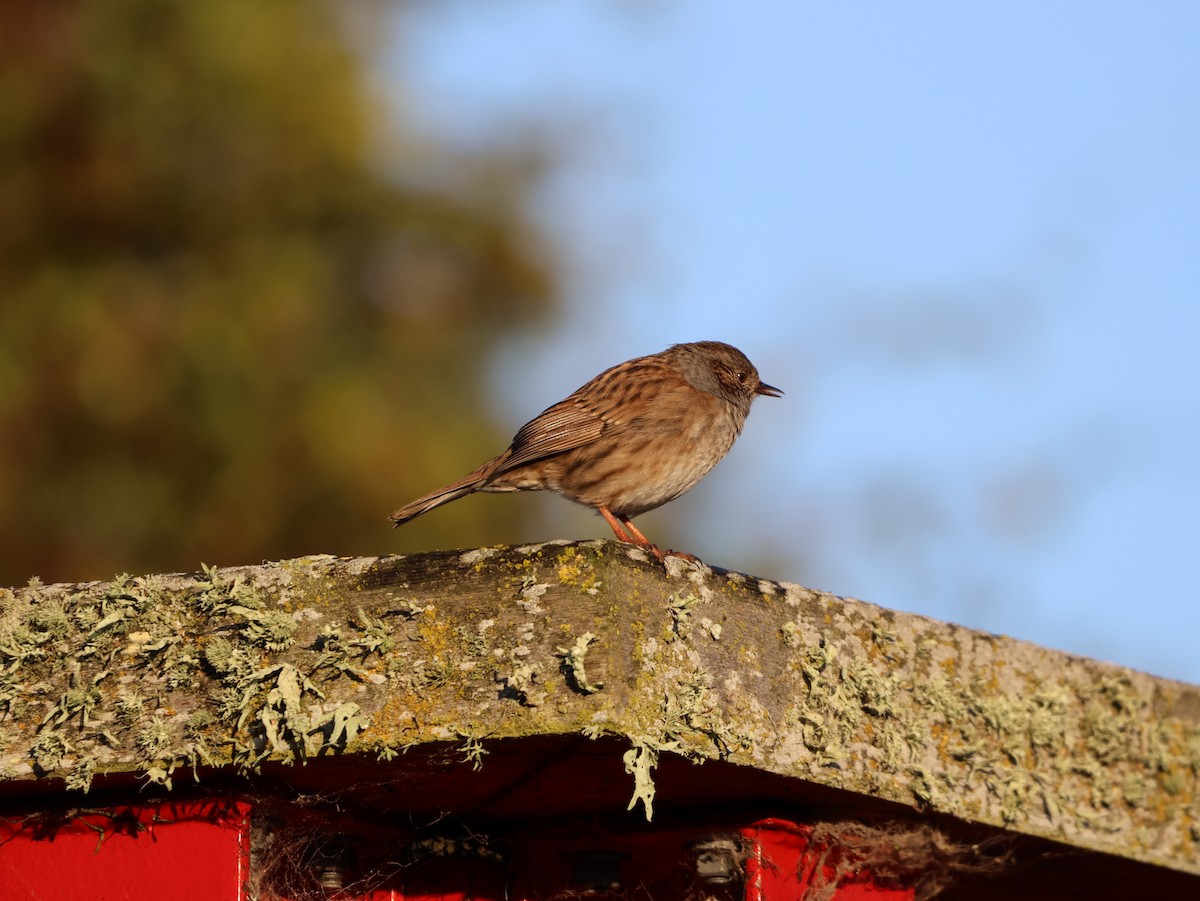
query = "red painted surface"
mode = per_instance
[
  {"x": 771, "y": 860},
  {"x": 162, "y": 852},
  {"x": 784, "y": 864},
  {"x": 200, "y": 851}
]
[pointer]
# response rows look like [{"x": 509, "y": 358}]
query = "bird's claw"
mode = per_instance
[{"x": 661, "y": 556}]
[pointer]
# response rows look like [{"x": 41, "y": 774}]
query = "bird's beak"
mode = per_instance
[{"x": 764, "y": 388}]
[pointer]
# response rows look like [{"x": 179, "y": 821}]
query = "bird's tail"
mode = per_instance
[{"x": 468, "y": 484}]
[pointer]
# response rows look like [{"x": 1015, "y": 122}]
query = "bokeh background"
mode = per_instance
[{"x": 269, "y": 270}]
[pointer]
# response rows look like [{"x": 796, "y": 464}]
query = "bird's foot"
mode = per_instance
[
  {"x": 649, "y": 547},
  {"x": 627, "y": 532},
  {"x": 683, "y": 555},
  {"x": 661, "y": 556}
]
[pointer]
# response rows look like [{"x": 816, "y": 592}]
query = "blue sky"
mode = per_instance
[{"x": 964, "y": 238}]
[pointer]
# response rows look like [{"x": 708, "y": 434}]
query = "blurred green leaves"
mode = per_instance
[{"x": 226, "y": 334}]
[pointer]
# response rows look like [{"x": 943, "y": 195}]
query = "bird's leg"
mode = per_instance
[
  {"x": 639, "y": 538},
  {"x": 618, "y": 529},
  {"x": 626, "y": 531}
]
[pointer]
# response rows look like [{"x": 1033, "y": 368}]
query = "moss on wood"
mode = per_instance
[{"x": 230, "y": 668}]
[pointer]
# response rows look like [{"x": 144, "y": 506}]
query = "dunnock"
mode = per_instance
[{"x": 633, "y": 438}]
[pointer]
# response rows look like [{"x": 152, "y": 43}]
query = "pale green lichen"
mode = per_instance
[
  {"x": 474, "y": 638},
  {"x": 199, "y": 722},
  {"x": 337, "y": 654},
  {"x": 519, "y": 684},
  {"x": 680, "y": 606},
  {"x": 271, "y": 629},
  {"x": 574, "y": 664},
  {"x": 339, "y": 727},
  {"x": 48, "y": 750},
  {"x": 81, "y": 775},
  {"x": 376, "y": 637},
  {"x": 640, "y": 761},
  {"x": 129, "y": 706},
  {"x": 262, "y": 626},
  {"x": 790, "y": 631},
  {"x": 138, "y": 626},
  {"x": 155, "y": 737},
  {"x": 714, "y": 629},
  {"x": 472, "y": 750}
]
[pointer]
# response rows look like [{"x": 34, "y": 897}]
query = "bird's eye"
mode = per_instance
[{"x": 740, "y": 375}]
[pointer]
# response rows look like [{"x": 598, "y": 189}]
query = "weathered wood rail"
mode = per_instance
[{"x": 449, "y": 655}]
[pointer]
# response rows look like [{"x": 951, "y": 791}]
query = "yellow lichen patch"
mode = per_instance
[
  {"x": 576, "y": 570},
  {"x": 399, "y": 721}
]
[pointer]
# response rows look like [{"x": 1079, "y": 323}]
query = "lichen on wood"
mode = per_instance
[{"x": 233, "y": 668}]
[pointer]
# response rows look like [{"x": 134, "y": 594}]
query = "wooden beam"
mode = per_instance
[{"x": 226, "y": 671}]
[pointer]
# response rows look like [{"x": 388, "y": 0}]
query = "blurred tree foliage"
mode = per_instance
[{"x": 239, "y": 318}]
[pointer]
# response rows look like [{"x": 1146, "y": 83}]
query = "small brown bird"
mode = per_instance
[{"x": 633, "y": 438}]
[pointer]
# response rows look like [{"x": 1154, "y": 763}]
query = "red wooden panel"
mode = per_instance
[
  {"x": 768, "y": 860},
  {"x": 200, "y": 850},
  {"x": 187, "y": 850},
  {"x": 784, "y": 864}
]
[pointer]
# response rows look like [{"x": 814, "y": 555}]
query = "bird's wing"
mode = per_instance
[
  {"x": 627, "y": 397},
  {"x": 565, "y": 426}
]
